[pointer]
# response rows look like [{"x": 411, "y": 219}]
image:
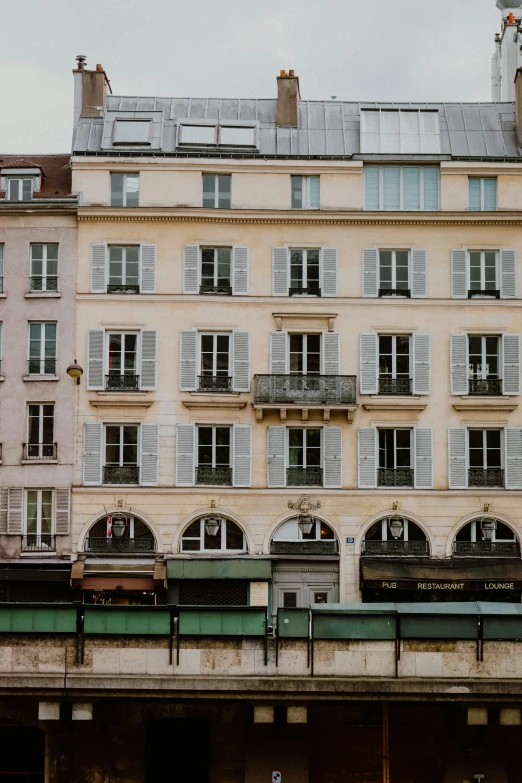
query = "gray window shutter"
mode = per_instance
[
  {"x": 371, "y": 187},
  {"x": 513, "y": 458},
  {"x": 15, "y": 505},
  {"x": 367, "y": 457},
  {"x": 511, "y": 363},
  {"x": 241, "y": 376},
  {"x": 187, "y": 360},
  {"x": 411, "y": 186},
  {"x": 240, "y": 271},
  {"x": 370, "y": 276},
  {"x": 190, "y": 269},
  {"x": 4, "y": 495},
  {"x": 423, "y": 476},
  {"x": 278, "y": 348},
  {"x": 421, "y": 364},
  {"x": 459, "y": 363},
  {"x": 369, "y": 363},
  {"x": 333, "y": 462},
  {"x": 98, "y": 269},
  {"x": 329, "y": 268},
  {"x": 185, "y": 448},
  {"x": 490, "y": 194},
  {"x": 276, "y": 456},
  {"x": 459, "y": 278},
  {"x": 508, "y": 274},
  {"x": 242, "y": 472},
  {"x": 331, "y": 352},
  {"x": 148, "y": 269},
  {"x": 149, "y": 360},
  {"x": 431, "y": 188},
  {"x": 92, "y": 456},
  {"x": 63, "y": 512},
  {"x": 419, "y": 273},
  {"x": 315, "y": 192},
  {"x": 457, "y": 458},
  {"x": 149, "y": 455},
  {"x": 95, "y": 341},
  {"x": 280, "y": 271},
  {"x": 475, "y": 199}
]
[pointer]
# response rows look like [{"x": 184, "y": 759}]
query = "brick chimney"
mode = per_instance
[
  {"x": 90, "y": 90},
  {"x": 288, "y": 98},
  {"x": 518, "y": 105}
]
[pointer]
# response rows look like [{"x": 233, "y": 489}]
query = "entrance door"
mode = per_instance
[{"x": 177, "y": 751}]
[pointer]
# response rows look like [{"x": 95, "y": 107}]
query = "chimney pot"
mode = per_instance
[
  {"x": 99, "y": 67},
  {"x": 282, "y": 74},
  {"x": 291, "y": 74},
  {"x": 511, "y": 17}
]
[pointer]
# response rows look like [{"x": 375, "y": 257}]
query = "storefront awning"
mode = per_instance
[
  {"x": 215, "y": 568},
  {"x": 458, "y": 575}
]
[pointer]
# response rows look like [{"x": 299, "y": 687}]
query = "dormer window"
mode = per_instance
[
  {"x": 400, "y": 131},
  {"x": 20, "y": 188},
  {"x": 208, "y": 133},
  {"x": 129, "y": 132},
  {"x": 236, "y": 136},
  {"x": 198, "y": 134}
]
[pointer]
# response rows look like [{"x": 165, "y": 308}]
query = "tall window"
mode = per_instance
[
  {"x": 395, "y": 458},
  {"x": 484, "y": 364},
  {"x": 214, "y": 464},
  {"x": 394, "y": 273},
  {"x": 216, "y": 190},
  {"x": 215, "y": 270},
  {"x": 122, "y": 353},
  {"x": 20, "y": 188},
  {"x": 40, "y": 432},
  {"x": 304, "y": 272},
  {"x": 304, "y": 457},
  {"x": 42, "y": 349},
  {"x": 44, "y": 267},
  {"x": 485, "y": 458},
  {"x": 213, "y": 534},
  {"x": 215, "y": 362},
  {"x": 394, "y": 364},
  {"x": 39, "y": 519},
  {"x": 401, "y": 187},
  {"x": 305, "y": 192},
  {"x": 482, "y": 194},
  {"x": 125, "y": 190},
  {"x": 124, "y": 269},
  {"x": 305, "y": 354},
  {"x": 483, "y": 274},
  {"x": 121, "y": 454}
]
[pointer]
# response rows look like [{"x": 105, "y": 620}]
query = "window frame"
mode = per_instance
[
  {"x": 476, "y": 292},
  {"x": 401, "y": 207},
  {"x": 122, "y": 333},
  {"x": 2, "y": 251},
  {"x": 304, "y": 268},
  {"x": 125, "y": 190},
  {"x": 39, "y": 509},
  {"x": 121, "y": 445},
  {"x": 217, "y": 127},
  {"x": 394, "y": 269},
  {"x": 45, "y": 277},
  {"x": 40, "y": 443},
  {"x": 411, "y": 466},
  {"x": 124, "y": 262},
  {"x": 217, "y": 196},
  {"x": 20, "y": 178},
  {"x": 481, "y": 180},
  {"x": 134, "y": 121},
  {"x": 402, "y": 134},
  {"x": 201, "y": 538},
  {"x": 484, "y": 448},
  {"x": 304, "y": 447},
  {"x": 199, "y": 358},
  {"x": 394, "y": 338},
  {"x": 42, "y": 358},
  {"x": 215, "y": 249},
  {"x": 213, "y": 464},
  {"x": 484, "y": 355},
  {"x": 305, "y": 190},
  {"x": 473, "y": 524},
  {"x": 305, "y": 353}
]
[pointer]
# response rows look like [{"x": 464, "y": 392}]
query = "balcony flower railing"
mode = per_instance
[
  {"x": 40, "y": 451},
  {"x": 486, "y": 549},
  {"x": 402, "y": 386},
  {"x": 395, "y": 292},
  {"x": 225, "y": 290},
  {"x": 302, "y": 389},
  {"x": 304, "y": 477},
  {"x": 485, "y": 386},
  {"x": 122, "y": 382},
  {"x": 121, "y": 474},
  {"x": 213, "y": 476},
  {"x": 43, "y": 543},
  {"x": 214, "y": 383},
  {"x": 397, "y": 548},
  {"x": 119, "y": 545},
  {"x": 494, "y": 292},
  {"x": 299, "y": 291},
  {"x": 489, "y": 477},
  {"x": 44, "y": 283},
  {"x": 397, "y": 477},
  {"x": 122, "y": 288},
  {"x": 304, "y": 547}
]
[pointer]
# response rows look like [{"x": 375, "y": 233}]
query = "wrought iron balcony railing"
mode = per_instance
[
  {"x": 43, "y": 543},
  {"x": 213, "y": 476},
  {"x": 304, "y": 477},
  {"x": 214, "y": 383},
  {"x": 44, "y": 283},
  {"x": 318, "y": 389},
  {"x": 397, "y": 548},
  {"x": 486, "y": 549},
  {"x": 485, "y": 386},
  {"x": 1, "y": 284},
  {"x": 122, "y": 382},
  {"x": 297, "y": 291},
  {"x": 117, "y": 545},
  {"x": 40, "y": 451},
  {"x": 122, "y": 288},
  {"x": 41, "y": 366},
  {"x": 490, "y": 477},
  {"x": 225, "y": 290},
  {"x": 402, "y": 386},
  {"x": 303, "y": 548},
  {"x": 121, "y": 474},
  {"x": 395, "y": 292},
  {"x": 494, "y": 292},
  {"x": 397, "y": 477}
]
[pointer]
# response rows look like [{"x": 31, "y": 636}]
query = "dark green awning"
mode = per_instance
[{"x": 220, "y": 568}]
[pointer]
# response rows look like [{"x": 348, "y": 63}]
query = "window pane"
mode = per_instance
[
  {"x": 209, "y": 188},
  {"x": 14, "y": 189},
  {"x": 48, "y": 424},
  {"x": 223, "y": 255},
  {"x": 132, "y": 132},
  {"x": 392, "y": 187},
  {"x": 47, "y": 511},
  {"x": 33, "y": 433},
  {"x": 296, "y": 269},
  {"x": 198, "y": 134},
  {"x": 130, "y": 445},
  {"x": 237, "y": 137},
  {"x": 297, "y": 192},
  {"x": 207, "y": 266},
  {"x": 112, "y": 445},
  {"x": 27, "y": 191},
  {"x": 132, "y": 189},
  {"x": 32, "y": 512},
  {"x": 223, "y": 446},
  {"x": 117, "y": 190},
  {"x": 411, "y": 188},
  {"x": 295, "y": 447},
  {"x": 204, "y": 445},
  {"x": 234, "y": 536},
  {"x": 224, "y": 190},
  {"x": 289, "y": 600}
]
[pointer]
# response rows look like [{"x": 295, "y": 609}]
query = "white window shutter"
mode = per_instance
[
  {"x": 95, "y": 345},
  {"x": 149, "y": 360},
  {"x": 459, "y": 277},
  {"x": 421, "y": 363},
  {"x": 149, "y": 455},
  {"x": 419, "y": 273},
  {"x": 241, "y": 372},
  {"x": 423, "y": 476},
  {"x": 187, "y": 360},
  {"x": 329, "y": 271},
  {"x": 459, "y": 363},
  {"x": 367, "y": 457},
  {"x": 278, "y": 350},
  {"x": 99, "y": 269},
  {"x": 92, "y": 456},
  {"x": 240, "y": 271},
  {"x": 513, "y": 458},
  {"x": 4, "y": 495},
  {"x": 242, "y": 472},
  {"x": 276, "y": 456},
  {"x": 457, "y": 458},
  {"x": 15, "y": 506},
  {"x": 370, "y": 271},
  {"x": 63, "y": 511},
  {"x": 333, "y": 462},
  {"x": 280, "y": 271},
  {"x": 508, "y": 274},
  {"x": 190, "y": 269},
  {"x": 332, "y": 353},
  {"x": 511, "y": 363},
  {"x": 185, "y": 455},
  {"x": 148, "y": 269},
  {"x": 369, "y": 363}
]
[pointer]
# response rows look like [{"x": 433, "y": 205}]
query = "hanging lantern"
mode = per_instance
[
  {"x": 306, "y": 524},
  {"x": 488, "y": 526},
  {"x": 396, "y": 526},
  {"x": 119, "y": 525},
  {"x": 212, "y": 525}
]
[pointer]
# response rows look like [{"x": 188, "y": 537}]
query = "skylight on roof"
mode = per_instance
[{"x": 400, "y": 131}]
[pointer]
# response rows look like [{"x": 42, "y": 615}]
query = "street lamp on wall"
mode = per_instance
[
  {"x": 119, "y": 525},
  {"x": 306, "y": 523},
  {"x": 75, "y": 371},
  {"x": 212, "y": 525},
  {"x": 488, "y": 526},
  {"x": 396, "y": 525}
]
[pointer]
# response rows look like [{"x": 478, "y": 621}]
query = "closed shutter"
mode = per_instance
[
  {"x": 370, "y": 277},
  {"x": 187, "y": 360},
  {"x": 15, "y": 504},
  {"x": 276, "y": 456},
  {"x": 333, "y": 463},
  {"x": 423, "y": 458},
  {"x": 511, "y": 363},
  {"x": 185, "y": 448},
  {"x": 314, "y": 184},
  {"x": 508, "y": 274},
  {"x": 240, "y": 271},
  {"x": 369, "y": 363},
  {"x": 411, "y": 180},
  {"x": 95, "y": 340},
  {"x": 92, "y": 456},
  {"x": 241, "y": 377},
  {"x": 431, "y": 188},
  {"x": 63, "y": 512},
  {"x": 457, "y": 458},
  {"x": 391, "y": 182},
  {"x": 331, "y": 349},
  {"x": 98, "y": 269},
  {"x": 371, "y": 187},
  {"x": 513, "y": 458},
  {"x": 459, "y": 283},
  {"x": 190, "y": 269},
  {"x": 421, "y": 364},
  {"x": 149, "y": 360},
  {"x": 490, "y": 194},
  {"x": 4, "y": 495},
  {"x": 367, "y": 457},
  {"x": 280, "y": 271},
  {"x": 148, "y": 269},
  {"x": 459, "y": 363},
  {"x": 329, "y": 270},
  {"x": 242, "y": 472},
  {"x": 475, "y": 195},
  {"x": 278, "y": 347},
  {"x": 149, "y": 455},
  {"x": 419, "y": 273}
]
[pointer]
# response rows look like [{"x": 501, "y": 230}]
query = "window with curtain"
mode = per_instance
[{"x": 401, "y": 187}]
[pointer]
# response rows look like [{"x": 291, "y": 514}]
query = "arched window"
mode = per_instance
[
  {"x": 213, "y": 534},
  {"x": 120, "y": 532},
  {"x": 395, "y": 535},
  {"x": 486, "y": 537},
  {"x": 304, "y": 535}
]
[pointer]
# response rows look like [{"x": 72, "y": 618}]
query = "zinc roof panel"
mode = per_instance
[
  {"x": 283, "y": 141},
  {"x": 229, "y": 109},
  {"x": 495, "y": 143},
  {"x": 490, "y": 117},
  {"x": 335, "y": 141},
  {"x": 477, "y": 143},
  {"x": 180, "y": 108},
  {"x": 454, "y": 117},
  {"x": 212, "y": 109},
  {"x": 352, "y": 141},
  {"x": 128, "y": 104},
  {"x": 145, "y": 104},
  {"x": 459, "y": 143},
  {"x": 510, "y": 143},
  {"x": 317, "y": 142},
  {"x": 334, "y": 116},
  {"x": 316, "y": 116},
  {"x": 247, "y": 110},
  {"x": 266, "y": 110},
  {"x": 267, "y": 141},
  {"x": 472, "y": 117},
  {"x": 164, "y": 105},
  {"x": 198, "y": 108},
  {"x": 302, "y": 110},
  {"x": 169, "y": 137},
  {"x": 302, "y": 142},
  {"x": 95, "y": 138}
]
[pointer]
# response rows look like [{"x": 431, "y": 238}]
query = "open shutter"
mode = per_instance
[
  {"x": 241, "y": 376},
  {"x": 148, "y": 269},
  {"x": 370, "y": 277},
  {"x": 4, "y": 496},
  {"x": 98, "y": 269},
  {"x": 367, "y": 457},
  {"x": 187, "y": 360},
  {"x": 423, "y": 476},
  {"x": 511, "y": 363},
  {"x": 95, "y": 342},
  {"x": 240, "y": 271},
  {"x": 419, "y": 273},
  {"x": 15, "y": 504},
  {"x": 459, "y": 282},
  {"x": 329, "y": 269},
  {"x": 369, "y": 364},
  {"x": 242, "y": 472},
  {"x": 63, "y": 512},
  {"x": 331, "y": 352},
  {"x": 457, "y": 458},
  {"x": 508, "y": 274},
  {"x": 333, "y": 462},
  {"x": 513, "y": 458},
  {"x": 149, "y": 360},
  {"x": 149, "y": 455},
  {"x": 92, "y": 456},
  {"x": 190, "y": 269},
  {"x": 276, "y": 456},
  {"x": 278, "y": 347},
  {"x": 371, "y": 187},
  {"x": 280, "y": 271},
  {"x": 421, "y": 364},
  {"x": 185, "y": 448},
  {"x": 459, "y": 363}
]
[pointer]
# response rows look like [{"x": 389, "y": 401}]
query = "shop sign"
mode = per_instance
[{"x": 495, "y": 585}]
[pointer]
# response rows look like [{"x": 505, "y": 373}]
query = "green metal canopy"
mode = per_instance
[{"x": 224, "y": 568}]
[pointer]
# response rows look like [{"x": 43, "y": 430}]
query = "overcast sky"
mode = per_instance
[{"x": 418, "y": 50}]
